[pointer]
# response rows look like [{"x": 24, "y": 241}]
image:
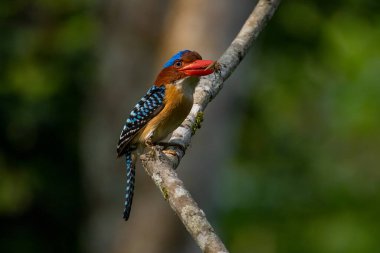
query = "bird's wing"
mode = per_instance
[{"x": 149, "y": 105}]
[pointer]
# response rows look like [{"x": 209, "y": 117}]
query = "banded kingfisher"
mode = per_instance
[{"x": 158, "y": 113}]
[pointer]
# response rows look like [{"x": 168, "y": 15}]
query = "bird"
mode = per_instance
[{"x": 160, "y": 111}]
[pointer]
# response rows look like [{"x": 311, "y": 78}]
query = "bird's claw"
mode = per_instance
[
  {"x": 149, "y": 143},
  {"x": 169, "y": 152}
]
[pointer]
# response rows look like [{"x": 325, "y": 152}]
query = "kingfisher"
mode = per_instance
[{"x": 163, "y": 108}]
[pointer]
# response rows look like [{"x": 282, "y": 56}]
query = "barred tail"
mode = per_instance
[{"x": 130, "y": 184}]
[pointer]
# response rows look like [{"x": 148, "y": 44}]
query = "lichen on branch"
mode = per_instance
[{"x": 161, "y": 167}]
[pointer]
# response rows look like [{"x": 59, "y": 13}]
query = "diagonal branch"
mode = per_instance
[{"x": 161, "y": 167}]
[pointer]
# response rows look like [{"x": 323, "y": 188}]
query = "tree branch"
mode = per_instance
[{"x": 161, "y": 166}]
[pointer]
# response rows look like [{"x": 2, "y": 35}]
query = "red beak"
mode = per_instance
[{"x": 198, "y": 68}]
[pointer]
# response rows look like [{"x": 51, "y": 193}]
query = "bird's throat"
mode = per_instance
[{"x": 187, "y": 86}]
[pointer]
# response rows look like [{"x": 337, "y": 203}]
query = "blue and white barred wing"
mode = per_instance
[{"x": 149, "y": 106}]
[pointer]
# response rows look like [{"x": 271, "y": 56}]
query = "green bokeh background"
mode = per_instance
[
  {"x": 309, "y": 147},
  {"x": 306, "y": 174},
  {"x": 46, "y": 65}
]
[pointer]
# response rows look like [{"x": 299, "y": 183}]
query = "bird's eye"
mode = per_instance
[{"x": 178, "y": 64}]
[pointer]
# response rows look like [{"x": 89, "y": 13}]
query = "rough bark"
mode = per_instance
[{"x": 161, "y": 166}]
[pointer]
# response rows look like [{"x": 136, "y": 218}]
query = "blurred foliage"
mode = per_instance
[
  {"x": 46, "y": 57},
  {"x": 306, "y": 176}
]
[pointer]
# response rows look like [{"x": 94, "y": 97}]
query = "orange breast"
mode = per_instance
[{"x": 177, "y": 107}]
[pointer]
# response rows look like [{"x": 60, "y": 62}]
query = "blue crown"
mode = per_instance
[{"x": 175, "y": 57}]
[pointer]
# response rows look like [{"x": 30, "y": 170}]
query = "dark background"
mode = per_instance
[{"x": 287, "y": 159}]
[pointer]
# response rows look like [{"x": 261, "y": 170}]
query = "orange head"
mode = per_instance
[{"x": 183, "y": 64}]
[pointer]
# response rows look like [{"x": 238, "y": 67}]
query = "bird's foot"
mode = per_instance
[
  {"x": 165, "y": 145},
  {"x": 149, "y": 143},
  {"x": 169, "y": 152}
]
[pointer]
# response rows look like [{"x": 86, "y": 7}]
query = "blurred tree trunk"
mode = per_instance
[{"x": 134, "y": 35}]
